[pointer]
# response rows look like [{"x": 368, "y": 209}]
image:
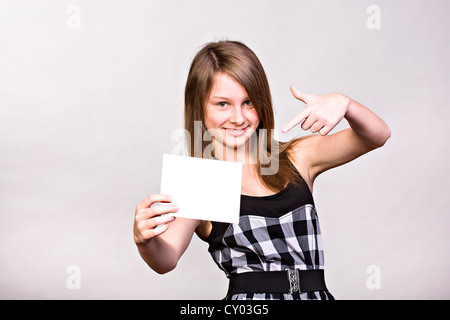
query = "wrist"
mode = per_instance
[{"x": 345, "y": 102}]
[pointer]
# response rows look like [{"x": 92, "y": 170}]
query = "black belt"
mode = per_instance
[{"x": 288, "y": 281}]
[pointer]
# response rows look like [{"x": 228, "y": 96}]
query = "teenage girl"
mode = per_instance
[{"x": 275, "y": 251}]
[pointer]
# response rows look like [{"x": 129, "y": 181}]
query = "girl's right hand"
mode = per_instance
[{"x": 151, "y": 221}]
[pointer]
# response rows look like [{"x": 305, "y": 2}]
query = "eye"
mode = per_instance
[
  {"x": 248, "y": 103},
  {"x": 222, "y": 104}
]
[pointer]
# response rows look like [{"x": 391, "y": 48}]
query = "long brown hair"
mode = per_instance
[{"x": 241, "y": 63}]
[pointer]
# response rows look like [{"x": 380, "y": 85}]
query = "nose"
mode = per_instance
[{"x": 237, "y": 116}]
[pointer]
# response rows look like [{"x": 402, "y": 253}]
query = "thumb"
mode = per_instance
[{"x": 300, "y": 95}]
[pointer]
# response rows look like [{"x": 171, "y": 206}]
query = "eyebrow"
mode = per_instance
[
  {"x": 217, "y": 97},
  {"x": 225, "y": 98}
]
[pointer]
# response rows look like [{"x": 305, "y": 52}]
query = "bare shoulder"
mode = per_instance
[
  {"x": 298, "y": 155},
  {"x": 303, "y": 143}
]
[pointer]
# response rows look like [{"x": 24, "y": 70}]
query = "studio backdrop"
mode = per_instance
[{"x": 92, "y": 91}]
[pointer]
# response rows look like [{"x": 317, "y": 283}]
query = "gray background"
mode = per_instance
[{"x": 86, "y": 114}]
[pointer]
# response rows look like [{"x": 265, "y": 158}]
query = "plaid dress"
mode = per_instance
[{"x": 274, "y": 233}]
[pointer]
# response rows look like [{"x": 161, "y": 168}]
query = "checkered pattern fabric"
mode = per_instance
[
  {"x": 272, "y": 244},
  {"x": 261, "y": 243}
]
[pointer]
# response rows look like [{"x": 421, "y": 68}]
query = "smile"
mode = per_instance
[{"x": 236, "y": 132}]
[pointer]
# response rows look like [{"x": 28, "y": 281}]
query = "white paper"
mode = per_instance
[{"x": 203, "y": 189}]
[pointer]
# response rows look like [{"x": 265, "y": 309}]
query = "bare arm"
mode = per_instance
[{"x": 161, "y": 247}]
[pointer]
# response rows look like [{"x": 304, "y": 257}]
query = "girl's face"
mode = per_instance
[{"x": 229, "y": 114}]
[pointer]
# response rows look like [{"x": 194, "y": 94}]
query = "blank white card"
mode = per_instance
[{"x": 204, "y": 189}]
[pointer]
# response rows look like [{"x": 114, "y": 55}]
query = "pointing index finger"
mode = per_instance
[{"x": 302, "y": 115}]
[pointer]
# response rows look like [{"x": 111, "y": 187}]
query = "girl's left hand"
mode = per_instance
[{"x": 322, "y": 112}]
